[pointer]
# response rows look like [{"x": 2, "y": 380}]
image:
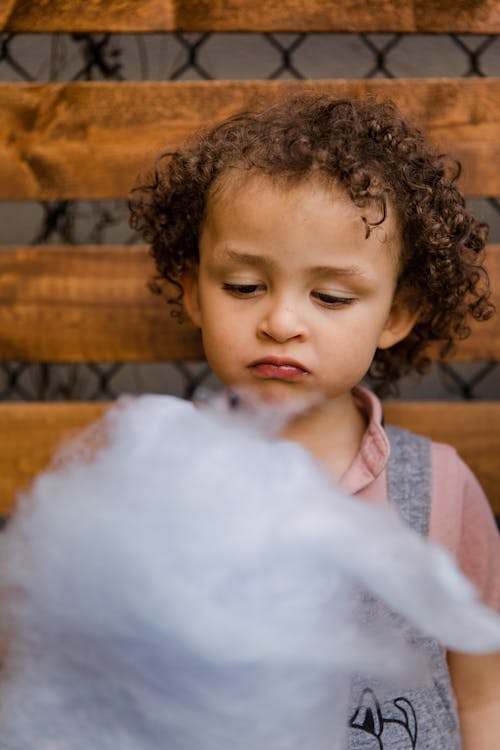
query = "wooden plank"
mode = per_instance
[
  {"x": 473, "y": 428},
  {"x": 29, "y": 435},
  {"x": 89, "y": 139},
  {"x": 481, "y": 16},
  {"x": 31, "y": 431},
  {"x": 484, "y": 341},
  {"x": 91, "y": 303},
  {"x": 69, "y": 305}
]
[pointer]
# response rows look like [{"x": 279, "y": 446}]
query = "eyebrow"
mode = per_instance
[
  {"x": 347, "y": 271},
  {"x": 250, "y": 259}
]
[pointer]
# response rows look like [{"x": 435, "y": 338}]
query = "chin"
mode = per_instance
[
  {"x": 292, "y": 399},
  {"x": 278, "y": 391}
]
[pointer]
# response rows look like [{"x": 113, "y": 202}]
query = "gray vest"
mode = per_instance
[{"x": 392, "y": 717}]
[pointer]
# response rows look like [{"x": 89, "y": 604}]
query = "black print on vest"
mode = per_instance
[{"x": 399, "y": 730}]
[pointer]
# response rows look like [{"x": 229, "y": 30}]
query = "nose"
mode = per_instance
[{"x": 282, "y": 321}]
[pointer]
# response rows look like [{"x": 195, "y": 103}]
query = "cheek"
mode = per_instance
[
  {"x": 352, "y": 350},
  {"x": 220, "y": 342}
]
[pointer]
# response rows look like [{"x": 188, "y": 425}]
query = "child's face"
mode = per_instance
[{"x": 291, "y": 296}]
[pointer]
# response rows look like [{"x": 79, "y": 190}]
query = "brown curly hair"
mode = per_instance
[{"x": 377, "y": 156}]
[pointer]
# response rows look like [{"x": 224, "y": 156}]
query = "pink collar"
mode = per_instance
[{"x": 371, "y": 459}]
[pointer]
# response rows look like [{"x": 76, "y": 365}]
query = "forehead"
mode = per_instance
[
  {"x": 245, "y": 200},
  {"x": 236, "y": 183}
]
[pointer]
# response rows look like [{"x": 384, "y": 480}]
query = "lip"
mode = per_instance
[{"x": 279, "y": 368}]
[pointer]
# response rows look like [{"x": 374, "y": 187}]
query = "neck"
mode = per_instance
[{"x": 332, "y": 432}]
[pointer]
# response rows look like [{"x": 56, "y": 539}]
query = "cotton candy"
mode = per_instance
[{"x": 182, "y": 579}]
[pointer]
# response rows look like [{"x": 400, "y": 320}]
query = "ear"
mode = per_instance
[
  {"x": 190, "y": 299},
  {"x": 400, "y": 321}
]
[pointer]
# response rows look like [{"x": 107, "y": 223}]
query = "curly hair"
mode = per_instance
[{"x": 378, "y": 157}]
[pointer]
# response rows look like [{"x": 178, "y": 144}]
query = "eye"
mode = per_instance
[
  {"x": 332, "y": 300},
  {"x": 243, "y": 290}
]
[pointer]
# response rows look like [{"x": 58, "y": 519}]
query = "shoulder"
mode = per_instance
[
  {"x": 447, "y": 466},
  {"x": 452, "y": 478},
  {"x": 462, "y": 521}
]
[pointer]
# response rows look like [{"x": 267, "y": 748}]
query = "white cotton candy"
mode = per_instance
[{"x": 184, "y": 581}]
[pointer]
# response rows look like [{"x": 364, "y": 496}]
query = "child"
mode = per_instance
[{"x": 314, "y": 242}]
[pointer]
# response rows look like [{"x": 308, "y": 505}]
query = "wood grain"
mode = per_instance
[
  {"x": 484, "y": 341},
  {"x": 480, "y": 16},
  {"x": 86, "y": 303},
  {"x": 29, "y": 435},
  {"x": 30, "y": 432},
  {"x": 90, "y": 139},
  {"x": 91, "y": 303}
]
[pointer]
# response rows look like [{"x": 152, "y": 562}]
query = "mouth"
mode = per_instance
[{"x": 275, "y": 368}]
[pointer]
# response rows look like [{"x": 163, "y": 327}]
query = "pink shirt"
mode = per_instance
[{"x": 461, "y": 518}]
